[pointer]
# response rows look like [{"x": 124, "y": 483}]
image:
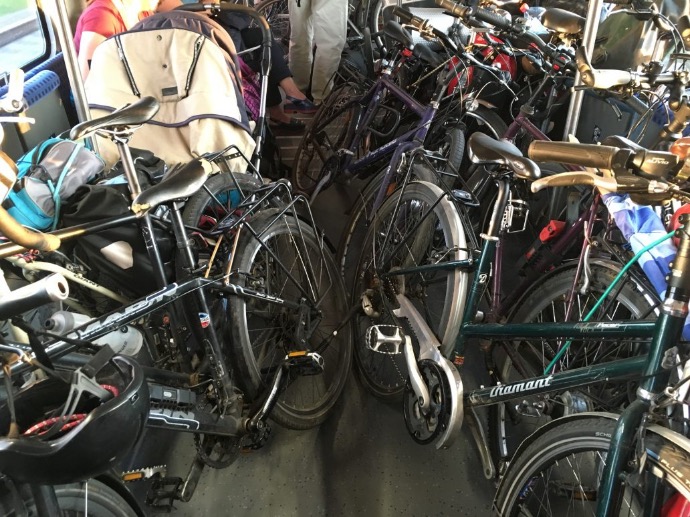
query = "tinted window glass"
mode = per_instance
[{"x": 21, "y": 35}]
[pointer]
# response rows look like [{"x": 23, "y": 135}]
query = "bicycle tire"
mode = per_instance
[
  {"x": 545, "y": 302},
  {"x": 216, "y": 198},
  {"x": 262, "y": 333},
  {"x": 356, "y": 228},
  {"x": 441, "y": 301},
  {"x": 541, "y": 468},
  {"x": 73, "y": 499},
  {"x": 330, "y": 130},
  {"x": 452, "y": 148},
  {"x": 278, "y": 18},
  {"x": 483, "y": 120}
]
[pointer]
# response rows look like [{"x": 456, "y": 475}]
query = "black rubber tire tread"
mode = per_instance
[
  {"x": 540, "y": 295},
  {"x": 356, "y": 227},
  {"x": 337, "y": 357},
  {"x": 103, "y": 501},
  {"x": 484, "y": 120},
  {"x": 386, "y": 378},
  {"x": 307, "y": 167},
  {"x": 580, "y": 435},
  {"x": 216, "y": 184}
]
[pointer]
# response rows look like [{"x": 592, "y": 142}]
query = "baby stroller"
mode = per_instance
[{"x": 190, "y": 66}]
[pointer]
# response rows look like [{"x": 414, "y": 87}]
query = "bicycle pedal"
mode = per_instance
[
  {"x": 378, "y": 341},
  {"x": 144, "y": 473},
  {"x": 163, "y": 492},
  {"x": 305, "y": 363}
]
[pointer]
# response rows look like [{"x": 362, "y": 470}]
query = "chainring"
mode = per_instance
[{"x": 427, "y": 427}]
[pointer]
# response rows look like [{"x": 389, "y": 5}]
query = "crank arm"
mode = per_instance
[
  {"x": 429, "y": 348},
  {"x": 304, "y": 363}
]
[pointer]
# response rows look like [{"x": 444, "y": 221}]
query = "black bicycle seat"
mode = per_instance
[
  {"x": 484, "y": 149},
  {"x": 131, "y": 115},
  {"x": 562, "y": 21},
  {"x": 394, "y": 30},
  {"x": 180, "y": 183}
]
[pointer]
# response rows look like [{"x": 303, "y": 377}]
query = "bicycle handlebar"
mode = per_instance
[
  {"x": 53, "y": 288},
  {"x": 15, "y": 232},
  {"x": 422, "y": 26},
  {"x": 498, "y": 21},
  {"x": 587, "y": 155},
  {"x": 652, "y": 170},
  {"x": 604, "y": 79},
  {"x": 568, "y": 179}
]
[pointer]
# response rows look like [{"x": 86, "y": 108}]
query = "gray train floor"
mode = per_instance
[{"x": 360, "y": 462}]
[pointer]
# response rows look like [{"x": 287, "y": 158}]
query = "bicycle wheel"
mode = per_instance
[
  {"x": 450, "y": 149},
  {"x": 217, "y": 198},
  {"x": 288, "y": 261},
  {"x": 278, "y": 17},
  {"x": 352, "y": 238},
  {"x": 559, "y": 473},
  {"x": 546, "y": 302},
  {"x": 73, "y": 500},
  {"x": 330, "y": 131},
  {"x": 480, "y": 120},
  {"x": 410, "y": 229}
]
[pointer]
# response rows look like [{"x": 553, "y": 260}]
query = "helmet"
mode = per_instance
[{"x": 88, "y": 440}]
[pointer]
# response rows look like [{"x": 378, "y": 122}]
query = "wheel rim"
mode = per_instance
[{"x": 271, "y": 329}]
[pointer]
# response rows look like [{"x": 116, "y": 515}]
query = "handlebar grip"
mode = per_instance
[
  {"x": 484, "y": 15},
  {"x": 454, "y": 8},
  {"x": 602, "y": 79},
  {"x": 53, "y": 288},
  {"x": 605, "y": 79},
  {"x": 15, "y": 232},
  {"x": 408, "y": 18},
  {"x": 568, "y": 179},
  {"x": 587, "y": 155}
]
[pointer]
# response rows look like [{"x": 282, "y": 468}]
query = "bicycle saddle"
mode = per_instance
[
  {"x": 562, "y": 21},
  {"x": 394, "y": 30},
  {"x": 484, "y": 149},
  {"x": 179, "y": 183},
  {"x": 131, "y": 115}
]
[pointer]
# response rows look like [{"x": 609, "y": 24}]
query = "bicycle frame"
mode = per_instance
[
  {"x": 168, "y": 295},
  {"x": 412, "y": 139},
  {"x": 616, "y": 370}
]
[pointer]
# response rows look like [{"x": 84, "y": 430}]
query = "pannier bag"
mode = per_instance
[{"x": 47, "y": 174}]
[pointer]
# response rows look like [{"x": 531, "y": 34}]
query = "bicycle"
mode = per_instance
[
  {"x": 404, "y": 261},
  {"x": 260, "y": 334},
  {"x": 625, "y": 462},
  {"x": 63, "y": 435}
]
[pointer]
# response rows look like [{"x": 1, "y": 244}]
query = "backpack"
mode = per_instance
[{"x": 50, "y": 172}]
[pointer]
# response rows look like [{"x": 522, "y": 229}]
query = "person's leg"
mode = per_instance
[
  {"x": 330, "y": 31},
  {"x": 301, "y": 41}
]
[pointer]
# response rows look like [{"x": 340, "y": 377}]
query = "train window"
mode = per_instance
[{"x": 21, "y": 34}]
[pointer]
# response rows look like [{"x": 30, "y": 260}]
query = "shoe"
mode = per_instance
[
  {"x": 299, "y": 106},
  {"x": 295, "y": 125}
]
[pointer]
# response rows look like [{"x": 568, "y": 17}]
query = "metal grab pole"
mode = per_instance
[
  {"x": 57, "y": 13},
  {"x": 588, "y": 39}
]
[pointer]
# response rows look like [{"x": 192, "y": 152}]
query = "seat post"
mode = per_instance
[
  {"x": 128, "y": 166},
  {"x": 46, "y": 500}
]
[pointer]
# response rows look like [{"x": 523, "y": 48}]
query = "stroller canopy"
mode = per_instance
[{"x": 188, "y": 63}]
